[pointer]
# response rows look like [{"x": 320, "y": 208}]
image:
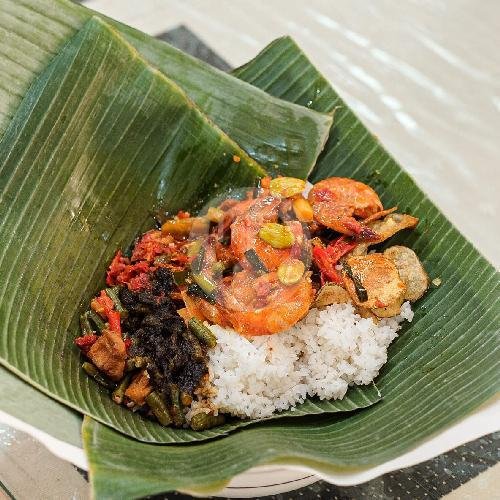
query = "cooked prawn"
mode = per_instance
[
  {"x": 263, "y": 305},
  {"x": 336, "y": 202},
  {"x": 246, "y": 226},
  {"x": 196, "y": 307}
]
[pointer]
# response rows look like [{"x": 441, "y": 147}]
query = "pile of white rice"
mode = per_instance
[{"x": 321, "y": 356}]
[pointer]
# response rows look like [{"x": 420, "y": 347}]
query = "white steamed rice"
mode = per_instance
[{"x": 322, "y": 355}]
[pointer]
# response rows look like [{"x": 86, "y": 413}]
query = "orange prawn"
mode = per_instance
[
  {"x": 246, "y": 226},
  {"x": 336, "y": 202},
  {"x": 263, "y": 305}
]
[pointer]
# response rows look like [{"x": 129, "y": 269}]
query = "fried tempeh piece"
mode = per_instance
[
  {"x": 140, "y": 388},
  {"x": 109, "y": 354}
]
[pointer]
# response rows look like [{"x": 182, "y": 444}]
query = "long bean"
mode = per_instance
[
  {"x": 94, "y": 373},
  {"x": 119, "y": 392},
  {"x": 207, "y": 285},
  {"x": 218, "y": 268},
  {"x": 175, "y": 408},
  {"x": 306, "y": 256},
  {"x": 198, "y": 261},
  {"x": 159, "y": 409},
  {"x": 136, "y": 362},
  {"x": 96, "y": 319},
  {"x": 202, "y": 421},
  {"x": 113, "y": 295},
  {"x": 195, "y": 290},
  {"x": 180, "y": 277},
  {"x": 202, "y": 333},
  {"x": 257, "y": 265},
  {"x": 85, "y": 325}
]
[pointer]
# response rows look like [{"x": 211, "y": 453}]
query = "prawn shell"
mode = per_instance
[{"x": 196, "y": 307}]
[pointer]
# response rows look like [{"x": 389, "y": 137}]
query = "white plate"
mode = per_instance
[{"x": 270, "y": 480}]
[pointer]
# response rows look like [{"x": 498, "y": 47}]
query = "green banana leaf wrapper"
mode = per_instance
[
  {"x": 85, "y": 158},
  {"x": 87, "y": 154}
]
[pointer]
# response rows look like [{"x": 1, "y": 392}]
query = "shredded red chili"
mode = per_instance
[
  {"x": 121, "y": 271},
  {"x": 339, "y": 247},
  {"x": 327, "y": 258},
  {"x": 326, "y": 265},
  {"x": 106, "y": 308},
  {"x": 152, "y": 244},
  {"x": 128, "y": 343},
  {"x": 85, "y": 342}
]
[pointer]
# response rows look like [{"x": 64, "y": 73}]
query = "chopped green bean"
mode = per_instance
[
  {"x": 306, "y": 256},
  {"x": 96, "y": 319},
  {"x": 113, "y": 295},
  {"x": 193, "y": 248},
  {"x": 159, "y": 409},
  {"x": 136, "y": 362},
  {"x": 195, "y": 291},
  {"x": 218, "y": 268},
  {"x": 257, "y": 265},
  {"x": 207, "y": 285},
  {"x": 119, "y": 392},
  {"x": 85, "y": 325},
  {"x": 202, "y": 333},
  {"x": 202, "y": 421},
  {"x": 94, "y": 373},
  {"x": 180, "y": 277},
  {"x": 175, "y": 408},
  {"x": 198, "y": 261}
]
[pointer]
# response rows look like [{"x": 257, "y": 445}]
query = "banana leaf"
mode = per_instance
[
  {"x": 442, "y": 366},
  {"x": 283, "y": 70},
  {"x": 99, "y": 140},
  {"x": 280, "y": 135},
  {"x": 27, "y": 404}
]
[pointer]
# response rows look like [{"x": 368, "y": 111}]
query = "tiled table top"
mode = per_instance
[{"x": 425, "y": 77}]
